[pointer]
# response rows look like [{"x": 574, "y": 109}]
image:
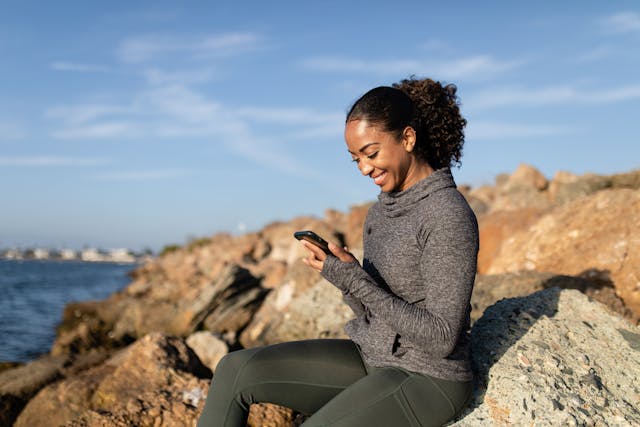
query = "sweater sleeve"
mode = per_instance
[{"x": 447, "y": 268}]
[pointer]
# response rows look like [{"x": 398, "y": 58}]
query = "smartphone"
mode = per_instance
[{"x": 312, "y": 237}]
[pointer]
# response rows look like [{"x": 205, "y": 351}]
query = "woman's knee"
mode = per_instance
[{"x": 233, "y": 363}]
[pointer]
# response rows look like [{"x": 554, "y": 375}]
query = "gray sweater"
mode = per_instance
[{"x": 411, "y": 296}]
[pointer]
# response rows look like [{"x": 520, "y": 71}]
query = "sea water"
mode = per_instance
[{"x": 33, "y": 295}]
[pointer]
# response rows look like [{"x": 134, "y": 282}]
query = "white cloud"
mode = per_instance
[
  {"x": 552, "y": 95},
  {"x": 149, "y": 47},
  {"x": 98, "y": 131},
  {"x": 78, "y": 67},
  {"x": 623, "y": 22},
  {"x": 291, "y": 116},
  {"x": 156, "y": 76},
  {"x": 469, "y": 67},
  {"x": 143, "y": 175},
  {"x": 43, "y": 161},
  {"x": 483, "y": 130},
  {"x": 85, "y": 113}
]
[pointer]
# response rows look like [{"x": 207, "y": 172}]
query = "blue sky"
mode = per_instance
[{"x": 140, "y": 124}]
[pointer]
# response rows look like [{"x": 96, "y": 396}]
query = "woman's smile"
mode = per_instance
[{"x": 384, "y": 157}]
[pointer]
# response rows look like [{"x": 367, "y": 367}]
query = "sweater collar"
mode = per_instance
[{"x": 395, "y": 203}]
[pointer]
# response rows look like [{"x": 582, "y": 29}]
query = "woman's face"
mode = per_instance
[{"x": 381, "y": 156}]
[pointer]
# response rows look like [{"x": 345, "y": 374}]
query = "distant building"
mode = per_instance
[
  {"x": 68, "y": 254},
  {"x": 91, "y": 254},
  {"x": 121, "y": 255},
  {"x": 40, "y": 253}
]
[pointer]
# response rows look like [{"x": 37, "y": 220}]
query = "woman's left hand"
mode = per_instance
[{"x": 317, "y": 256}]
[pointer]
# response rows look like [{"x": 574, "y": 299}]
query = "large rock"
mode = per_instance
[
  {"x": 495, "y": 227},
  {"x": 157, "y": 379},
  {"x": 555, "y": 357},
  {"x": 524, "y": 188},
  {"x": 19, "y": 384},
  {"x": 208, "y": 347},
  {"x": 596, "y": 235},
  {"x": 490, "y": 288},
  {"x": 305, "y": 306}
]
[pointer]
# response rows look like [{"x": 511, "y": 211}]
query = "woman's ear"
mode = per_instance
[{"x": 408, "y": 138}]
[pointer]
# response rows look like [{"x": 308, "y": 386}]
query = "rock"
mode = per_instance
[
  {"x": 20, "y": 384},
  {"x": 489, "y": 289},
  {"x": 306, "y": 306},
  {"x": 157, "y": 377},
  {"x": 626, "y": 180},
  {"x": 552, "y": 358},
  {"x": 496, "y": 226},
  {"x": 565, "y": 187},
  {"x": 525, "y": 188},
  {"x": 526, "y": 176},
  {"x": 596, "y": 234},
  {"x": 270, "y": 415},
  {"x": 209, "y": 348}
]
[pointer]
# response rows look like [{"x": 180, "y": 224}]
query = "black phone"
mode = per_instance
[{"x": 313, "y": 238}]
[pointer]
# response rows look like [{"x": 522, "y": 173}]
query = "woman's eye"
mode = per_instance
[
  {"x": 372, "y": 156},
  {"x": 356, "y": 160}
]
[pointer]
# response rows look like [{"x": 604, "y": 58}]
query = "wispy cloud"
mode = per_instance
[
  {"x": 149, "y": 47},
  {"x": 157, "y": 76},
  {"x": 469, "y": 67},
  {"x": 489, "y": 130},
  {"x": 179, "y": 112},
  {"x": 552, "y": 95},
  {"x": 623, "y": 22},
  {"x": 143, "y": 175},
  {"x": 46, "y": 161},
  {"x": 176, "y": 111},
  {"x": 78, "y": 67}
]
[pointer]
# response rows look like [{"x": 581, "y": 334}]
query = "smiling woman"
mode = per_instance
[{"x": 407, "y": 361}]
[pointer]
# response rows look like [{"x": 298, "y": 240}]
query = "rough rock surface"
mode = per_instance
[
  {"x": 156, "y": 378},
  {"x": 596, "y": 234},
  {"x": 496, "y": 226},
  {"x": 208, "y": 347},
  {"x": 555, "y": 357},
  {"x": 305, "y": 306},
  {"x": 490, "y": 288}
]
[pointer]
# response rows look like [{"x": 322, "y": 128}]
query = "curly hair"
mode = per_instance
[{"x": 430, "y": 108}]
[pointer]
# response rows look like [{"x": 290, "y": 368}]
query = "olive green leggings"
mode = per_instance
[{"x": 328, "y": 379}]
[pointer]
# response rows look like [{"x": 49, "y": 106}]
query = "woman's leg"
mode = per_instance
[
  {"x": 302, "y": 375},
  {"x": 394, "y": 397}
]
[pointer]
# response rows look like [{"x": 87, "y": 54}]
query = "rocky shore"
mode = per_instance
[{"x": 555, "y": 309}]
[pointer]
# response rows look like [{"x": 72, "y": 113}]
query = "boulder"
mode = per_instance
[
  {"x": 495, "y": 227},
  {"x": 21, "y": 383},
  {"x": 555, "y": 357},
  {"x": 158, "y": 379},
  {"x": 566, "y": 187},
  {"x": 305, "y": 306},
  {"x": 489, "y": 289},
  {"x": 208, "y": 347},
  {"x": 596, "y": 235},
  {"x": 525, "y": 188}
]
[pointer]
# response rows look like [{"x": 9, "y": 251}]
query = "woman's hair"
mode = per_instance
[{"x": 428, "y": 107}]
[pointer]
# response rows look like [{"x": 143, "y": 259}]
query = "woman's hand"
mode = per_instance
[{"x": 317, "y": 256}]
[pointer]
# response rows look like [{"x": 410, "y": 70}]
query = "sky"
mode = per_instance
[{"x": 144, "y": 124}]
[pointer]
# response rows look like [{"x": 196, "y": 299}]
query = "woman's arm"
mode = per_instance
[{"x": 447, "y": 267}]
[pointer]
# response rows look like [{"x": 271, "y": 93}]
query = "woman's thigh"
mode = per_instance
[
  {"x": 393, "y": 397},
  {"x": 302, "y": 375}
]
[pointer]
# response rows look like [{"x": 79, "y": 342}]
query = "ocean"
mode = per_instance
[{"x": 33, "y": 295}]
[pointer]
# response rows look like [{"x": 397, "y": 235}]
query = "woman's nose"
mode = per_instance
[{"x": 365, "y": 168}]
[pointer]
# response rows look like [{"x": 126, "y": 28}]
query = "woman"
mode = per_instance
[{"x": 408, "y": 360}]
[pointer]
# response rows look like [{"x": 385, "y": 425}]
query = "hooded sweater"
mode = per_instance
[{"x": 411, "y": 296}]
